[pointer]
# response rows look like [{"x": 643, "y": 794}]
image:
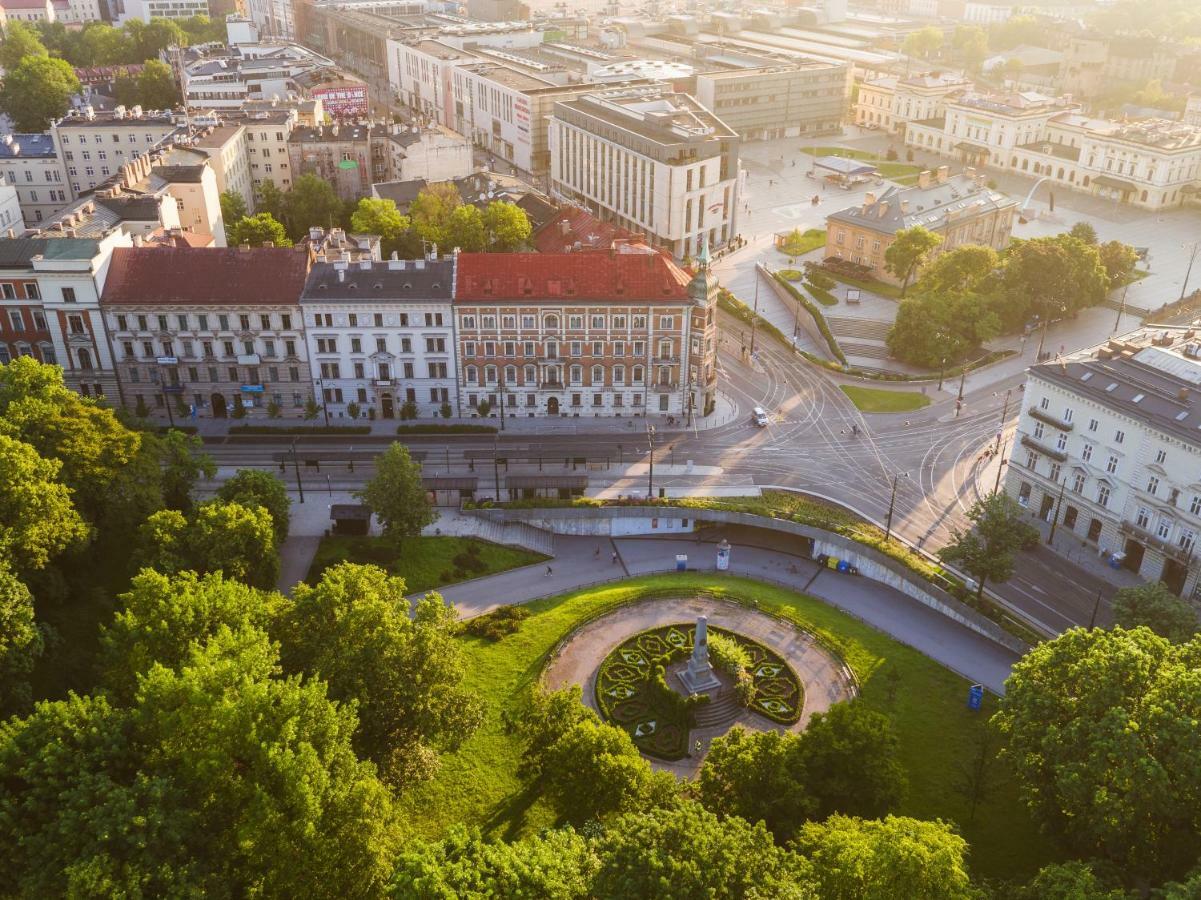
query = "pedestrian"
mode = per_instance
[
  {"x": 614, "y": 557},
  {"x": 596, "y": 555},
  {"x": 548, "y": 571}
]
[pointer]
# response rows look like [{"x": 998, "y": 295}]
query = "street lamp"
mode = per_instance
[
  {"x": 942, "y": 371},
  {"x": 296, "y": 464},
  {"x": 501, "y": 387},
  {"x": 1189, "y": 271},
  {"x": 1058, "y": 508},
  {"x": 324, "y": 405},
  {"x": 650, "y": 476},
  {"x": 891, "y": 503}
]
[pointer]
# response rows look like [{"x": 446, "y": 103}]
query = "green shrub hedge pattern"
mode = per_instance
[{"x": 631, "y": 690}]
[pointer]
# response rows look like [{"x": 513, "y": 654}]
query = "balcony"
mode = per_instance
[
  {"x": 551, "y": 385},
  {"x": 1140, "y": 534},
  {"x": 1038, "y": 447},
  {"x": 1043, "y": 416}
]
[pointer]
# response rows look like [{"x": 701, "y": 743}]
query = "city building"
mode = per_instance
[
  {"x": 381, "y": 336},
  {"x": 273, "y": 18},
  {"x": 891, "y": 103},
  {"x": 349, "y": 157},
  {"x": 655, "y": 162},
  {"x": 29, "y": 10},
  {"x": 802, "y": 99},
  {"x": 432, "y": 153},
  {"x": 338, "y": 246},
  {"x": 219, "y": 77},
  {"x": 11, "y": 218},
  {"x": 95, "y": 144},
  {"x": 30, "y": 163},
  {"x": 1108, "y": 449},
  {"x": 214, "y": 330},
  {"x": 962, "y": 209},
  {"x": 228, "y": 149},
  {"x": 146, "y": 10},
  {"x": 615, "y": 332},
  {"x": 267, "y": 131},
  {"x": 1192, "y": 110}
]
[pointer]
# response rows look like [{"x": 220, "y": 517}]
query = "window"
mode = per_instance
[
  {"x": 15, "y": 321},
  {"x": 509, "y": 323},
  {"x": 667, "y": 323},
  {"x": 1164, "y": 529},
  {"x": 1055, "y": 470},
  {"x": 598, "y": 399},
  {"x": 577, "y": 374},
  {"x": 356, "y": 345},
  {"x": 489, "y": 322},
  {"x": 597, "y": 375},
  {"x": 598, "y": 322},
  {"x": 619, "y": 348},
  {"x": 598, "y": 348},
  {"x": 636, "y": 376},
  {"x": 1103, "y": 495},
  {"x": 68, "y": 295},
  {"x": 1078, "y": 483},
  {"x": 619, "y": 375},
  {"x": 1067, "y": 414},
  {"x": 1187, "y": 540},
  {"x": 1044, "y": 403},
  {"x": 1087, "y": 453},
  {"x": 469, "y": 348},
  {"x": 1152, "y": 485},
  {"x": 575, "y": 323},
  {"x": 1031, "y": 459},
  {"x": 576, "y": 348},
  {"x": 1161, "y": 456},
  {"x": 1038, "y": 430},
  {"x": 1092, "y": 424},
  {"x": 619, "y": 322},
  {"x": 469, "y": 321},
  {"x": 1143, "y": 518},
  {"x": 1111, "y": 465},
  {"x": 1061, "y": 443},
  {"x": 471, "y": 374},
  {"x": 490, "y": 374},
  {"x": 1119, "y": 436}
]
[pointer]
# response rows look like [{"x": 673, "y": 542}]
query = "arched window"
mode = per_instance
[
  {"x": 619, "y": 374},
  {"x": 550, "y": 323},
  {"x": 598, "y": 375},
  {"x": 530, "y": 375},
  {"x": 85, "y": 360},
  {"x": 5, "y": 354},
  {"x": 471, "y": 374},
  {"x": 636, "y": 375},
  {"x": 47, "y": 353},
  {"x": 577, "y": 374}
]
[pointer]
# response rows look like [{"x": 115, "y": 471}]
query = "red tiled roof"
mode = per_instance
[
  {"x": 206, "y": 275},
  {"x": 571, "y": 225},
  {"x": 564, "y": 277}
]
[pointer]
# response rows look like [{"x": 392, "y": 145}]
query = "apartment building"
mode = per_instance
[
  {"x": 29, "y": 11},
  {"x": 588, "y": 333},
  {"x": 216, "y": 78},
  {"x": 1192, "y": 110},
  {"x": 803, "y": 99},
  {"x": 267, "y": 132},
  {"x": 227, "y": 147},
  {"x": 11, "y": 218},
  {"x": 1108, "y": 448},
  {"x": 95, "y": 145},
  {"x": 31, "y": 164},
  {"x": 1152, "y": 163},
  {"x": 147, "y": 10},
  {"x": 962, "y": 209},
  {"x": 891, "y": 103},
  {"x": 655, "y": 162},
  {"x": 381, "y": 336},
  {"x": 349, "y": 157},
  {"x": 217, "y": 330}
]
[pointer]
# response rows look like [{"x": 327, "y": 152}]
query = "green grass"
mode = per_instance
[
  {"x": 822, "y": 296},
  {"x": 799, "y": 243},
  {"x": 478, "y": 784},
  {"x": 874, "y": 400},
  {"x": 425, "y": 562},
  {"x": 900, "y": 172},
  {"x": 882, "y": 288}
]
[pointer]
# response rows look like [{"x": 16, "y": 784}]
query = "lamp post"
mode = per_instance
[
  {"x": 650, "y": 473},
  {"x": 891, "y": 504},
  {"x": 1189, "y": 271},
  {"x": 942, "y": 370},
  {"x": 1058, "y": 508},
  {"x": 1001, "y": 468},
  {"x": 1004, "y": 415},
  {"x": 959, "y": 400},
  {"x": 1092, "y": 620},
  {"x": 502, "y": 398},
  {"x": 324, "y": 406},
  {"x": 755, "y": 318}
]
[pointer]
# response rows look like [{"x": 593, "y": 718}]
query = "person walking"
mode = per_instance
[
  {"x": 548, "y": 571},
  {"x": 614, "y": 557}
]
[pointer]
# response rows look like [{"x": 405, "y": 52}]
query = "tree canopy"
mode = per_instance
[
  {"x": 20, "y": 643},
  {"x": 21, "y": 42},
  {"x": 1158, "y": 608},
  {"x": 908, "y": 252},
  {"x": 986, "y": 550},
  {"x": 256, "y": 487},
  {"x": 36, "y": 91},
  {"x": 755, "y": 775},
  {"x": 396, "y": 495},
  {"x": 257, "y": 231},
  {"x": 37, "y": 519},
  {"x": 217, "y": 537},
  {"x": 311, "y": 202}
]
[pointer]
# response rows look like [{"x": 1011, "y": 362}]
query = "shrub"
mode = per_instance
[
  {"x": 408, "y": 410},
  {"x": 891, "y": 155},
  {"x": 790, "y": 274},
  {"x": 353, "y": 410},
  {"x": 446, "y": 410},
  {"x": 273, "y": 410},
  {"x": 822, "y": 326},
  {"x": 728, "y": 655},
  {"x": 498, "y": 623}
]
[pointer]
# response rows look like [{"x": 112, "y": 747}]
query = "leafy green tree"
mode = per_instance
[
  {"x": 100, "y": 44},
  {"x": 162, "y": 542},
  {"x": 465, "y": 229},
  {"x": 922, "y": 42},
  {"x": 375, "y": 216},
  {"x": 161, "y": 618},
  {"x": 684, "y": 851},
  {"x": 936, "y": 325},
  {"x": 1119, "y": 261},
  {"x": 258, "y": 487},
  {"x": 1100, "y": 729},
  {"x": 544, "y": 720},
  {"x": 256, "y": 231},
  {"x": 149, "y": 40},
  {"x": 556, "y": 865},
  {"x": 430, "y": 212},
  {"x": 754, "y": 775},
  {"x": 184, "y": 461},
  {"x": 268, "y": 199},
  {"x": 1052, "y": 277},
  {"x": 1158, "y": 608},
  {"x": 238, "y": 540},
  {"x": 396, "y": 495},
  {"x": 36, "y": 91},
  {"x": 156, "y": 86},
  {"x": 964, "y": 269},
  {"x": 353, "y": 630},
  {"x": 908, "y": 252},
  {"x": 233, "y": 207},
  {"x": 312, "y": 201},
  {"x": 857, "y": 859},
  {"x": 986, "y": 551},
  {"x": 37, "y": 519},
  {"x": 1073, "y": 880},
  {"x": 506, "y": 225},
  {"x": 20, "y": 43},
  {"x": 1084, "y": 232},
  {"x": 972, "y": 43},
  {"x": 20, "y": 643},
  {"x": 203, "y": 30},
  {"x": 219, "y": 780},
  {"x": 850, "y": 757}
]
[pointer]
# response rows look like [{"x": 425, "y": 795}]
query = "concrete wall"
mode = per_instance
[
  {"x": 808, "y": 325},
  {"x": 613, "y": 520}
]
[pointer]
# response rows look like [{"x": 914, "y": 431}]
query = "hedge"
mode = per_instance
[
  {"x": 445, "y": 429},
  {"x": 822, "y": 326},
  {"x": 300, "y": 429},
  {"x": 821, "y": 295},
  {"x": 186, "y": 429}
]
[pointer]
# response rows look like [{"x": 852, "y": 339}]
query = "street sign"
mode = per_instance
[
  {"x": 252, "y": 389},
  {"x": 975, "y": 696},
  {"x": 167, "y": 360}
]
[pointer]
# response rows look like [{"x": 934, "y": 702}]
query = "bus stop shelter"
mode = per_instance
[
  {"x": 843, "y": 171},
  {"x": 450, "y": 490},
  {"x": 527, "y": 487}
]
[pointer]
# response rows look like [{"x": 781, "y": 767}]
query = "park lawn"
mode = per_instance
[
  {"x": 425, "y": 562},
  {"x": 478, "y": 783},
  {"x": 825, "y": 298},
  {"x": 874, "y": 400},
  {"x": 882, "y": 288},
  {"x": 810, "y": 240}
]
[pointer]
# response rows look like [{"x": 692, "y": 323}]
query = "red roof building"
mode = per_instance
[
  {"x": 617, "y": 276},
  {"x": 573, "y": 228},
  {"x": 199, "y": 275}
]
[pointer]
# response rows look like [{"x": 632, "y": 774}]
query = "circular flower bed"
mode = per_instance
[{"x": 632, "y": 689}]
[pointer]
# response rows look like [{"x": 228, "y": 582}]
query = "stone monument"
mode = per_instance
[{"x": 699, "y": 677}]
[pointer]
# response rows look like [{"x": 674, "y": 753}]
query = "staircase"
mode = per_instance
[
  {"x": 870, "y": 351},
  {"x": 514, "y": 534},
  {"x": 854, "y": 327},
  {"x": 722, "y": 709}
]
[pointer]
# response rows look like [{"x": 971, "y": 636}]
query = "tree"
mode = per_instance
[
  {"x": 908, "y": 252},
  {"x": 465, "y": 229},
  {"x": 100, "y": 44},
  {"x": 986, "y": 551},
  {"x": 972, "y": 43},
  {"x": 922, "y": 42},
  {"x": 233, "y": 207},
  {"x": 1100, "y": 730},
  {"x": 1119, "y": 261},
  {"x": 353, "y": 630},
  {"x": 184, "y": 460},
  {"x": 156, "y": 86},
  {"x": 235, "y": 539},
  {"x": 37, "y": 519},
  {"x": 684, "y": 851},
  {"x": 964, "y": 269},
  {"x": 218, "y": 780},
  {"x": 375, "y": 216},
  {"x": 312, "y": 201},
  {"x": 1158, "y": 608},
  {"x": 149, "y": 40},
  {"x": 268, "y": 199},
  {"x": 430, "y": 211},
  {"x": 754, "y": 775},
  {"x": 1070, "y": 881},
  {"x": 20, "y": 643},
  {"x": 940, "y": 324},
  {"x": 38, "y": 90},
  {"x": 162, "y": 618},
  {"x": 257, "y": 231},
  {"x": 20, "y": 43},
  {"x": 1052, "y": 277},
  {"x": 850, "y": 759},
  {"x": 258, "y": 487},
  {"x": 507, "y": 226},
  {"x": 544, "y": 720},
  {"x": 1084, "y": 232},
  {"x": 854, "y": 859},
  {"x": 396, "y": 495}
]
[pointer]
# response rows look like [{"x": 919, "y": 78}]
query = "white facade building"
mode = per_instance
[
  {"x": 226, "y": 80},
  {"x": 31, "y": 165},
  {"x": 95, "y": 145},
  {"x": 656, "y": 162},
  {"x": 381, "y": 335},
  {"x": 891, "y": 103},
  {"x": 273, "y": 18},
  {"x": 11, "y": 218},
  {"x": 228, "y": 150},
  {"x": 1108, "y": 447}
]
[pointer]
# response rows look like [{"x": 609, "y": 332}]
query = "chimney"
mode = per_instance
[
  {"x": 137, "y": 240},
  {"x": 341, "y": 275},
  {"x": 365, "y": 264},
  {"x": 924, "y": 178},
  {"x": 869, "y": 200},
  {"x": 1182, "y": 395},
  {"x": 904, "y": 207},
  {"x": 943, "y": 173},
  {"x": 883, "y": 210}
]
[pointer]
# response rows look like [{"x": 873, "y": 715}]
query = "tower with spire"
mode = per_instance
[{"x": 701, "y": 387}]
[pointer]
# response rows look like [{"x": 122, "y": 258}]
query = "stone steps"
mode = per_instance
[
  {"x": 722, "y": 709},
  {"x": 871, "y": 351},
  {"x": 870, "y": 329}
]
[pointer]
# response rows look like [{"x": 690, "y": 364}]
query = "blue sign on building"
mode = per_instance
[{"x": 252, "y": 389}]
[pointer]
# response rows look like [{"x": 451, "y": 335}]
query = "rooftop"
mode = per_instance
[
  {"x": 586, "y": 276},
  {"x": 217, "y": 136},
  {"x": 18, "y": 253},
  {"x": 956, "y": 197},
  {"x": 385, "y": 282},
  {"x": 14, "y": 146},
  {"x": 206, "y": 275},
  {"x": 573, "y": 228},
  {"x": 332, "y": 134},
  {"x": 654, "y": 112}
]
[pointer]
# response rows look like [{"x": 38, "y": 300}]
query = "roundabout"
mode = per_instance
[{"x": 630, "y": 664}]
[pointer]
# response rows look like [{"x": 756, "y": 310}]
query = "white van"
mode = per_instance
[{"x": 759, "y": 416}]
